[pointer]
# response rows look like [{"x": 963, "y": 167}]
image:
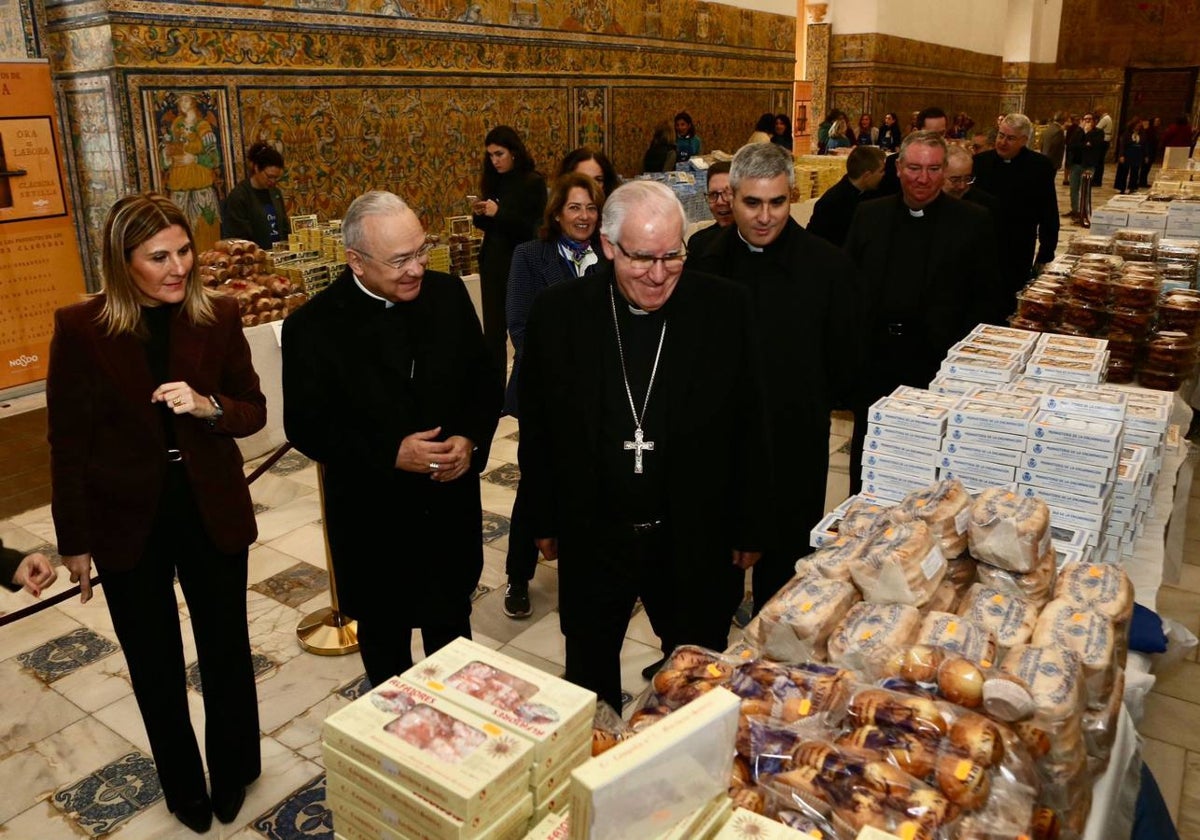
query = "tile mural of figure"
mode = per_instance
[{"x": 191, "y": 160}]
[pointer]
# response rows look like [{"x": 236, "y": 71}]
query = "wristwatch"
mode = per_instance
[{"x": 219, "y": 412}]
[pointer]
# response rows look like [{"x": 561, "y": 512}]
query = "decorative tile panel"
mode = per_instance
[
  {"x": 495, "y": 526},
  {"x": 262, "y": 665},
  {"x": 303, "y": 815},
  {"x": 106, "y": 799},
  {"x": 59, "y": 657},
  {"x": 295, "y": 586}
]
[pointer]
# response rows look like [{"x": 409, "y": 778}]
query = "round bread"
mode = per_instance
[
  {"x": 919, "y": 663},
  {"x": 978, "y": 737},
  {"x": 1101, "y": 587},
  {"x": 1053, "y": 676},
  {"x": 863, "y": 516},
  {"x": 1035, "y": 586},
  {"x": 833, "y": 560},
  {"x": 870, "y": 628},
  {"x": 960, "y": 681},
  {"x": 959, "y": 635},
  {"x": 1009, "y": 617},
  {"x": 944, "y": 508},
  {"x": 1007, "y": 530},
  {"x": 901, "y": 564},
  {"x": 1089, "y": 636},
  {"x": 964, "y": 782}
]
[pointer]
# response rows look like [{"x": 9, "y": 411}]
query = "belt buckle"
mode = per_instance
[
  {"x": 174, "y": 455},
  {"x": 895, "y": 329}
]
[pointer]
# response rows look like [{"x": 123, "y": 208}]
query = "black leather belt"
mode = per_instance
[{"x": 174, "y": 456}]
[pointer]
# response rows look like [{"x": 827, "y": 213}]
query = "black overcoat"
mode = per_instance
[
  {"x": 1024, "y": 188},
  {"x": 718, "y": 468},
  {"x": 357, "y": 379}
]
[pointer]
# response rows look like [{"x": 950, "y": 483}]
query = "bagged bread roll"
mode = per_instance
[
  {"x": 833, "y": 560},
  {"x": 1009, "y": 617},
  {"x": 863, "y": 517},
  {"x": 944, "y": 508},
  {"x": 1053, "y": 676},
  {"x": 945, "y": 598},
  {"x": 795, "y": 624},
  {"x": 959, "y": 635},
  {"x": 1007, "y": 530},
  {"x": 1100, "y": 725},
  {"x": 1088, "y": 635},
  {"x": 1104, "y": 588},
  {"x": 901, "y": 564},
  {"x": 869, "y": 629},
  {"x": 1035, "y": 586}
]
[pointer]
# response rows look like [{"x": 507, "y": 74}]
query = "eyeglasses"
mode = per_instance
[
  {"x": 1012, "y": 138},
  {"x": 719, "y": 195},
  {"x": 915, "y": 169},
  {"x": 644, "y": 262},
  {"x": 399, "y": 263},
  {"x": 961, "y": 180}
]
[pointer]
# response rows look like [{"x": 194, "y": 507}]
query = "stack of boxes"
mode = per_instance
[
  {"x": 313, "y": 256},
  {"x": 986, "y": 438},
  {"x": 817, "y": 173},
  {"x": 904, "y": 434},
  {"x": 468, "y": 744},
  {"x": 464, "y": 244},
  {"x": 1183, "y": 219},
  {"x": 1067, "y": 358}
]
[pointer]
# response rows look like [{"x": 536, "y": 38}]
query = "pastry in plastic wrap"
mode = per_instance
[
  {"x": 1007, "y": 530},
  {"x": 863, "y": 517},
  {"x": 833, "y": 560},
  {"x": 902, "y": 564},
  {"x": 1087, "y": 634},
  {"x": 910, "y": 713},
  {"x": 1035, "y": 586},
  {"x": 978, "y": 737},
  {"x": 945, "y": 598},
  {"x": 1010, "y": 617},
  {"x": 960, "y": 635},
  {"x": 1100, "y": 725},
  {"x": 1053, "y": 677},
  {"x": 1104, "y": 588},
  {"x": 944, "y": 508},
  {"x": 795, "y": 624},
  {"x": 870, "y": 628}
]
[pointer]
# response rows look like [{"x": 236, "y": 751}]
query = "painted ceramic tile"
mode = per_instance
[
  {"x": 291, "y": 462},
  {"x": 102, "y": 801},
  {"x": 495, "y": 526},
  {"x": 303, "y": 815},
  {"x": 262, "y": 665},
  {"x": 294, "y": 586},
  {"x": 506, "y": 475},
  {"x": 61, "y": 656}
]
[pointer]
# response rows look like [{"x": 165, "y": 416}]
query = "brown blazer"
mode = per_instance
[{"x": 107, "y": 448}]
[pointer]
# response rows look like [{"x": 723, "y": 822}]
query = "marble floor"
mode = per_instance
[{"x": 73, "y": 753}]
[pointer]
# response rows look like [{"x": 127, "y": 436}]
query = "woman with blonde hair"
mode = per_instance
[{"x": 150, "y": 381}]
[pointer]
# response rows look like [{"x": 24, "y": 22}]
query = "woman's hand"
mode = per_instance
[
  {"x": 35, "y": 573},
  {"x": 487, "y": 207},
  {"x": 182, "y": 399},
  {"x": 80, "y": 567}
]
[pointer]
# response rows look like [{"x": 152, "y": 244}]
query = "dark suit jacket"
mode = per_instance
[
  {"x": 834, "y": 210},
  {"x": 1029, "y": 204},
  {"x": 890, "y": 185},
  {"x": 10, "y": 559},
  {"x": 958, "y": 287},
  {"x": 718, "y": 462},
  {"x": 357, "y": 379},
  {"x": 1054, "y": 144},
  {"x": 107, "y": 447},
  {"x": 242, "y": 216}
]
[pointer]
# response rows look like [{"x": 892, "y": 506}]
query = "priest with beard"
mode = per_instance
[
  {"x": 806, "y": 313},
  {"x": 643, "y": 453},
  {"x": 928, "y": 267}
]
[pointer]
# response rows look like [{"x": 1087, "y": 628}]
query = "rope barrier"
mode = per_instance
[{"x": 33, "y": 609}]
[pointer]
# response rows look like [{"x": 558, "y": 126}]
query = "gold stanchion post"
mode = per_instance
[{"x": 327, "y": 632}]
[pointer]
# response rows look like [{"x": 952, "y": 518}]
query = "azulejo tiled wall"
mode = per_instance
[{"x": 396, "y": 94}]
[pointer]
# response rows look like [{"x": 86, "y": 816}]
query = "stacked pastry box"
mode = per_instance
[
  {"x": 1146, "y": 425},
  {"x": 904, "y": 434},
  {"x": 467, "y": 744}
]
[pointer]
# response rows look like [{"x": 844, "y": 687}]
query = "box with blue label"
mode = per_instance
[
  {"x": 1095, "y": 433},
  {"x": 909, "y": 415},
  {"x": 991, "y": 416}
]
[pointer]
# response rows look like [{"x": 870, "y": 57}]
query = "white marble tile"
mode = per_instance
[
  {"x": 493, "y": 574},
  {"x": 504, "y": 450},
  {"x": 300, "y": 683},
  {"x": 837, "y": 488},
  {"x": 306, "y": 476},
  {"x": 318, "y": 602},
  {"x": 94, "y": 613},
  {"x": 265, "y": 562},
  {"x": 543, "y": 639},
  {"x": 506, "y": 427},
  {"x": 641, "y": 631},
  {"x": 634, "y": 657},
  {"x": 486, "y": 641},
  {"x": 37, "y": 521},
  {"x": 43, "y": 821},
  {"x": 303, "y": 732},
  {"x": 96, "y": 685},
  {"x": 288, "y": 517},
  {"x": 16, "y": 537},
  {"x": 123, "y": 717},
  {"x": 34, "y": 630},
  {"x": 277, "y": 490},
  {"x": 30, "y": 710},
  {"x": 836, "y": 442},
  {"x": 552, "y": 668},
  {"x": 58, "y": 760},
  {"x": 272, "y": 627},
  {"x": 496, "y": 498},
  {"x": 841, "y": 423},
  {"x": 305, "y": 543}
]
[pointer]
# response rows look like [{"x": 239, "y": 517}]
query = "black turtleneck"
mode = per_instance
[{"x": 158, "y": 355}]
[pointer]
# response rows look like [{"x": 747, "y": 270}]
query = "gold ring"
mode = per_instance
[{"x": 177, "y": 401}]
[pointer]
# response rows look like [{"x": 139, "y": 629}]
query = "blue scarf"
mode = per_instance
[{"x": 579, "y": 254}]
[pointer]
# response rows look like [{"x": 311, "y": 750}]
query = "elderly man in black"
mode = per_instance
[
  {"x": 643, "y": 448},
  {"x": 1023, "y": 183},
  {"x": 927, "y": 266},
  {"x": 835, "y": 208},
  {"x": 806, "y": 306}
]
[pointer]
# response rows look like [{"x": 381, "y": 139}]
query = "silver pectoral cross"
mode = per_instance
[{"x": 638, "y": 445}]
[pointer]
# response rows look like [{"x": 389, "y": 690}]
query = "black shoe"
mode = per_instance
[
  {"x": 226, "y": 805},
  {"x": 745, "y": 611},
  {"x": 196, "y": 815},
  {"x": 516, "y": 599},
  {"x": 650, "y": 670}
]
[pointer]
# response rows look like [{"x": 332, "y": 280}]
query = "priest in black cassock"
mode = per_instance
[
  {"x": 928, "y": 268},
  {"x": 644, "y": 453},
  {"x": 388, "y": 384},
  {"x": 807, "y": 320}
]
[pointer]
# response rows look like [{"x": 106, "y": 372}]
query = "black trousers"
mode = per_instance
[
  {"x": 492, "y": 292},
  {"x": 597, "y": 601},
  {"x": 386, "y": 648},
  {"x": 1098, "y": 177},
  {"x": 771, "y": 572},
  {"x": 521, "y": 561},
  {"x": 145, "y": 616}
]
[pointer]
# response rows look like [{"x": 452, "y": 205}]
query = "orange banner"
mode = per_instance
[{"x": 40, "y": 268}]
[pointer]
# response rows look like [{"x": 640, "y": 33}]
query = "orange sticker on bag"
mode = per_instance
[{"x": 962, "y": 770}]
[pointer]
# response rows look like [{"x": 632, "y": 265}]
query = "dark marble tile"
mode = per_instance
[
  {"x": 103, "y": 800},
  {"x": 290, "y": 463},
  {"x": 495, "y": 526},
  {"x": 356, "y": 688},
  {"x": 59, "y": 657},
  {"x": 259, "y": 507},
  {"x": 844, "y": 449},
  {"x": 295, "y": 585},
  {"x": 302, "y": 815},
  {"x": 480, "y": 591},
  {"x": 506, "y": 475},
  {"x": 262, "y": 665}
]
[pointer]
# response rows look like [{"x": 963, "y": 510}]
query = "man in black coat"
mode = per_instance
[
  {"x": 833, "y": 211},
  {"x": 388, "y": 384},
  {"x": 1023, "y": 182},
  {"x": 930, "y": 119},
  {"x": 806, "y": 306},
  {"x": 960, "y": 183},
  {"x": 644, "y": 454},
  {"x": 927, "y": 265}
]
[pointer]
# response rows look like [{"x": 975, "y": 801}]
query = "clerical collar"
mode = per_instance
[
  {"x": 916, "y": 214},
  {"x": 388, "y": 304},
  {"x": 633, "y": 310},
  {"x": 754, "y": 249}
]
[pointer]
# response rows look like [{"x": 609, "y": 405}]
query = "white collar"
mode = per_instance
[
  {"x": 387, "y": 303},
  {"x": 754, "y": 249}
]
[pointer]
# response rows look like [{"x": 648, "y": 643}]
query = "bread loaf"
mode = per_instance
[
  {"x": 1007, "y": 530},
  {"x": 1089, "y": 636},
  {"x": 870, "y": 628},
  {"x": 960, "y": 635},
  {"x": 1008, "y": 616},
  {"x": 901, "y": 564},
  {"x": 795, "y": 624},
  {"x": 833, "y": 560},
  {"x": 1035, "y": 586},
  {"x": 864, "y": 516},
  {"x": 944, "y": 508},
  {"x": 1053, "y": 676}
]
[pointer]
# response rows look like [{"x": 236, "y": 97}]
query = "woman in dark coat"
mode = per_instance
[
  {"x": 512, "y": 198},
  {"x": 1131, "y": 151},
  {"x": 150, "y": 381},
  {"x": 254, "y": 208}
]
